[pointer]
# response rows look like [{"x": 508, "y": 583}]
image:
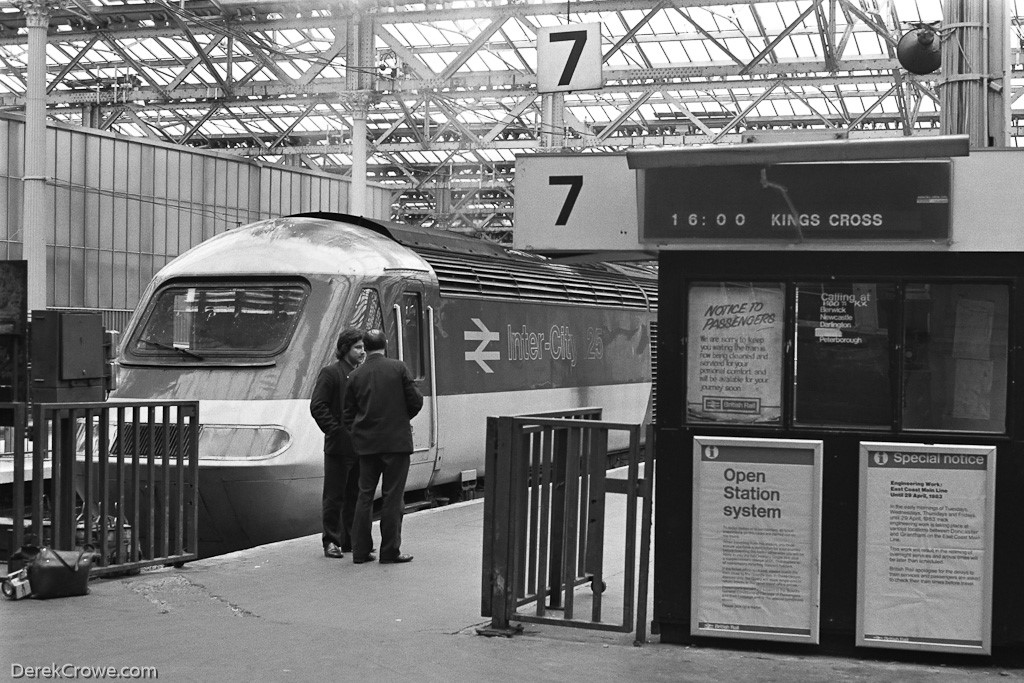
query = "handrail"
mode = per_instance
[
  {"x": 433, "y": 383},
  {"x": 399, "y": 331},
  {"x": 544, "y": 521},
  {"x": 124, "y": 478}
]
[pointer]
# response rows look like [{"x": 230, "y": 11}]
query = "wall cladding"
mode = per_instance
[{"x": 123, "y": 207}]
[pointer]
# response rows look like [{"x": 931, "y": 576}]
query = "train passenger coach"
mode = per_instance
[{"x": 243, "y": 322}]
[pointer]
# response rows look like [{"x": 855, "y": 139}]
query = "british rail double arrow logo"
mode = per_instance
[{"x": 485, "y": 337}]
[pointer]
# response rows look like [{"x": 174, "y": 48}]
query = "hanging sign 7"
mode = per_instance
[
  {"x": 575, "y": 202},
  {"x": 569, "y": 58}
]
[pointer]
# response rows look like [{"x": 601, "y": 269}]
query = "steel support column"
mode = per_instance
[
  {"x": 552, "y": 122},
  {"x": 36, "y": 211}
]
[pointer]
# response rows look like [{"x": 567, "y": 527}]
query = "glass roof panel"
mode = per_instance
[{"x": 242, "y": 72}]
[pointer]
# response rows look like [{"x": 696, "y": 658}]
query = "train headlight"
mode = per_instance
[{"x": 242, "y": 442}]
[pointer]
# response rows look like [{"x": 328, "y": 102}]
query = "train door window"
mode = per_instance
[
  {"x": 368, "y": 314},
  {"x": 842, "y": 361},
  {"x": 412, "y": 333},
  {"x": 735, "y": 352},
  {"x": 955, "y": 356}
]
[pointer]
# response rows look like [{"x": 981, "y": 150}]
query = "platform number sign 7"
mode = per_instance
[
  {"x": 575, "y": 183},
  {"x": 569, "y": 58},
  {"x": 579, "y": 39}
]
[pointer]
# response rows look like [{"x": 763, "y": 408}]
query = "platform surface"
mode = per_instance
[{"x": 284, "y": 612}]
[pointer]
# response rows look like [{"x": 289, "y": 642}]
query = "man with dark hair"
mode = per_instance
[
  {"x": 380, "y": 401},
  {"x": 341, "y": 464}
]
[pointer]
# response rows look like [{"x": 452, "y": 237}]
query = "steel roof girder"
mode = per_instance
[
  {"x": 631, "y": 32},
  {"x": 471, "y": 49},
  {"x": 202, "y": 53},
  {"x": 492, "y": 80},
  {"x": 670, "y": 93},
  {"x": 72, "y": 64},
  {"x": 618, "y": 143},
  {"x": 779, "y": 38}
]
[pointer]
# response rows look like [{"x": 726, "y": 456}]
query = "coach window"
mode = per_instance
[
  {"x": 412, "y": 333},
  {"x": 735, "y": 352},
  {"x": 955, "y": 356},
  {"x": 842, "y": 361}
]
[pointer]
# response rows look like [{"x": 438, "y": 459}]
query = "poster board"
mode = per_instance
[
  {"x": 924, "y": 572},
  {"x": 735, "y": 352},
  {"x": 756, "y": 539}
]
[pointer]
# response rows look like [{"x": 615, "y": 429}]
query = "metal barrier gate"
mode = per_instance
[
  {"x": 123, "y": 478},
  {"x": 544, "y": 521}
]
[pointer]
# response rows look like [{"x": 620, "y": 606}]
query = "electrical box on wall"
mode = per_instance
[{"x": 67, "y": 357}]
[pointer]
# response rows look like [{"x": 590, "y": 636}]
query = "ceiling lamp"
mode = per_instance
[{"x": 918, "y": 49}]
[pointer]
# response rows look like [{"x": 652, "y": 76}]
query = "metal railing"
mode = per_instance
[
  {"x": 123, "y": 477},
  {"x": 545, "y": 521}
]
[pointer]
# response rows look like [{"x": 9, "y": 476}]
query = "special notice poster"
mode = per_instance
[
  {"x": 734, "y": 357},
  {"x": 756, "y": 538},
  {"x": 925, "y": 552}
]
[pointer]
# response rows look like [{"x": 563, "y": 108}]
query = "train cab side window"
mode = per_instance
[
  {"x": 368, "y": 314},
  {"x": 955, "y": 356},
  {"x": 412, "y": 333}
]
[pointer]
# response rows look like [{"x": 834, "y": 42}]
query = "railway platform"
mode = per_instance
[{"x": 283, "y": 612}]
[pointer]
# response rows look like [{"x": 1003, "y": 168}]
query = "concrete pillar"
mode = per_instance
[
  {"x": 999, "y": 68},
  {"x": 357, "y": 190},
  {"x": 36, "y": 221},
  {"x": 975, "y": 92},
  {"x": 359, "y": 84}
]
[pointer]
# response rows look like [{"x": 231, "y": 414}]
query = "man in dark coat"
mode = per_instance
[
  {"x": 341, "y": 464},
  {"x": 380, "y": 401}
]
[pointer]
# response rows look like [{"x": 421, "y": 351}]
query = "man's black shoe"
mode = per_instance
[
  {"x": 362, "y": 560},
  {"x": 331, "y": 550},
  {"x": 396, "y": 560}
]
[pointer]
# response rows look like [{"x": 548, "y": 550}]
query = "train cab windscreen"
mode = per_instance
[{"x": 198, "y": 321}]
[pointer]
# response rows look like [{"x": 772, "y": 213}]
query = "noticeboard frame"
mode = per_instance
[
  {"x": 814, "y": 202},
  {"x": 983, "y": 644},
  {"x": 809, "y": 635}
]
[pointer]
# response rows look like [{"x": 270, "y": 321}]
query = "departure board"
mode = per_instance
[{"x": 797, "y": 202}]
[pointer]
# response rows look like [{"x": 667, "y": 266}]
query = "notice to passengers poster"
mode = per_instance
[
  {"x": 734, "y": 358},
  {"x": 756, "y": 538},
  {"x": 925, "y": 552}
]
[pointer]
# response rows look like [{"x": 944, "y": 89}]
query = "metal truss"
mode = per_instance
[{"x": 449, "y": 89}]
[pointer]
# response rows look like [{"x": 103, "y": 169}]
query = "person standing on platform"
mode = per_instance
[
  {"x": 380, "y": 402},
  {"x": 341, "y": 464}
]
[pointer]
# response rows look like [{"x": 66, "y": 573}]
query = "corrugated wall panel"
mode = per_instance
[
  {"x": 123, "y": 207},
  {"x": 12, "y": 158}
]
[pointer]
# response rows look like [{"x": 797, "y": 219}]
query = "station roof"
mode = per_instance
[{"x": 450, "y": 88}]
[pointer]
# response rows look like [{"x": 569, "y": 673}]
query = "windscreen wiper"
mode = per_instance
[{"x": 172, "y": 347}]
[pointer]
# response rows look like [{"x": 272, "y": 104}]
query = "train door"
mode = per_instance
[{"x": 416, "y": 350}]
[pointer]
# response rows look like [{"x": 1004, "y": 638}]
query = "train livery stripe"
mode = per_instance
[{"x": 497, "y": 346}]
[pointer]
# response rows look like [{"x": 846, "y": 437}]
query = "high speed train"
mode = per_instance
[{"x": 244, "y": 321}]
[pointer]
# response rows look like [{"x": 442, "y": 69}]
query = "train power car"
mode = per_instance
[{"x": 243, "y": 323}]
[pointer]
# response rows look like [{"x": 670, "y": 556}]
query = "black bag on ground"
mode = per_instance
[{"x": 57, "y": 573}]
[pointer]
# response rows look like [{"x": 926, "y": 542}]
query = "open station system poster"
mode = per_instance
[
  {"x": 756, "y": 538},
  {"x": 925, "y": 554}
]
